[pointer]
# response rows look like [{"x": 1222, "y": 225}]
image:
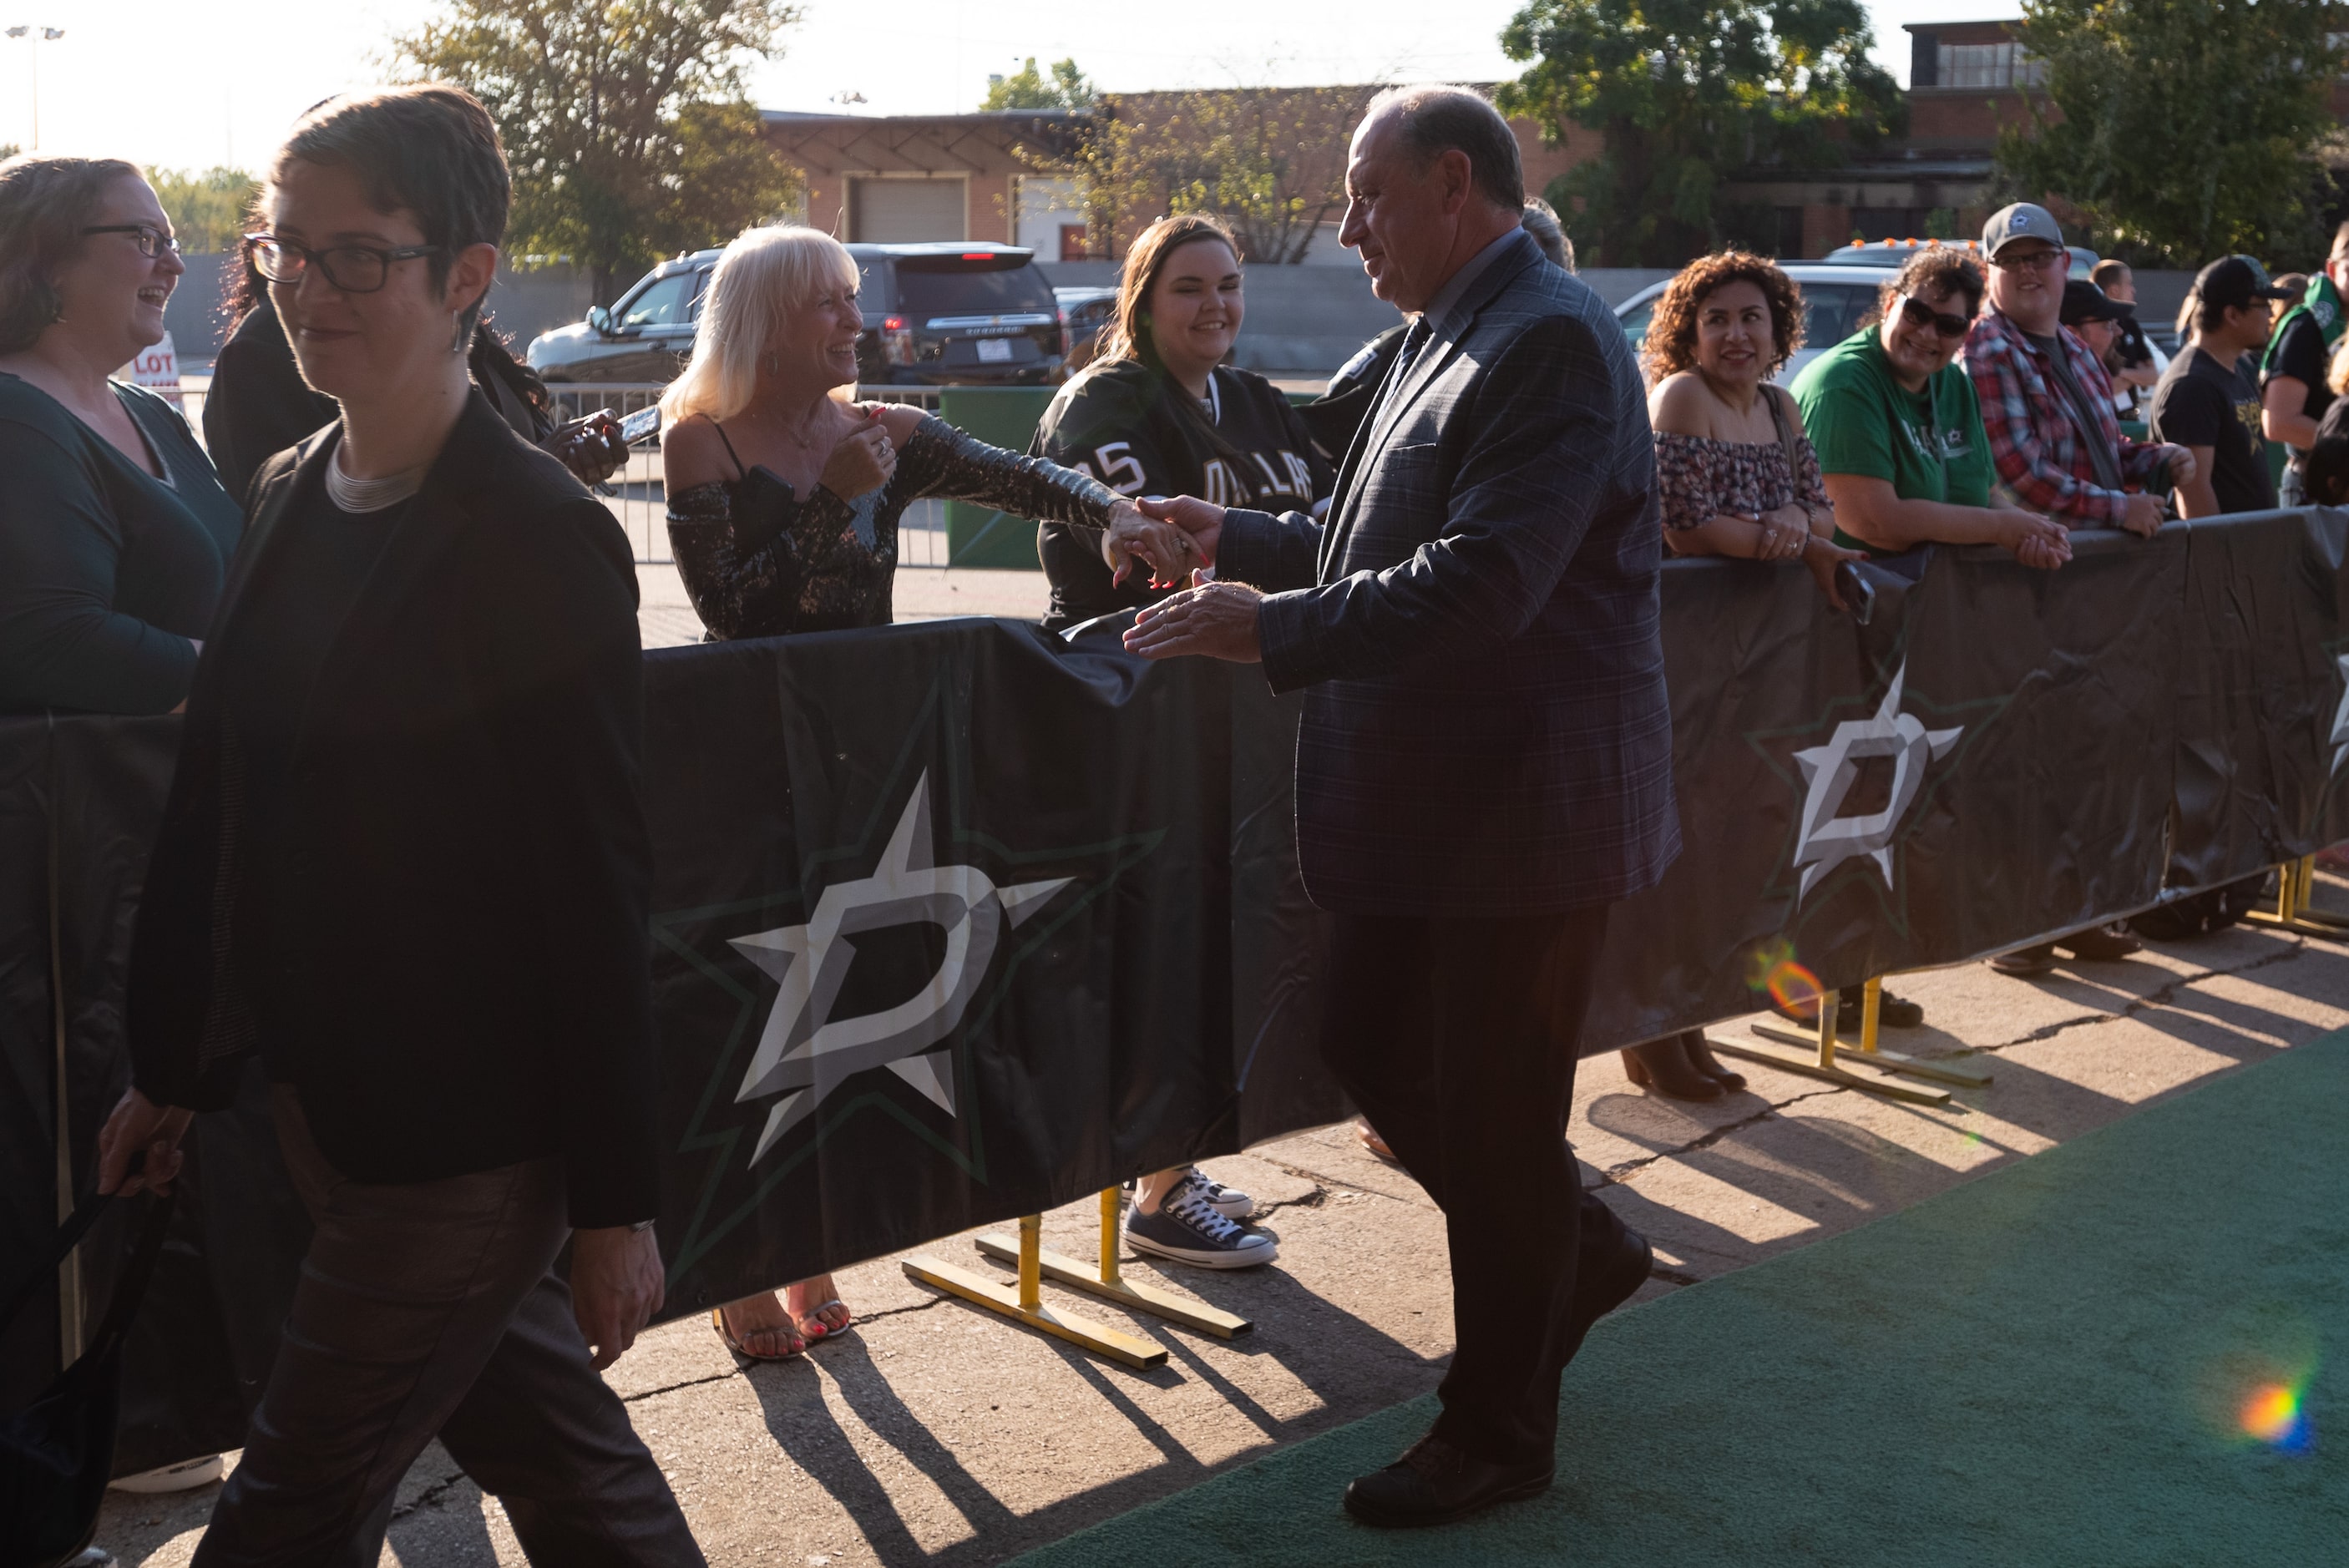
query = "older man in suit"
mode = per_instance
[{"x": 1484, "y": 762}]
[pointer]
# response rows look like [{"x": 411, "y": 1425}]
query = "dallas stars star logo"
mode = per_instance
[
  {"x": 1825, "y": 838},
  {"x": 803, "y": 1054}
]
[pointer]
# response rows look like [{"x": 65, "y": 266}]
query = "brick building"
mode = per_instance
[
  {"x": 1967, "y": 81},
  {"x": 985, "y": 175}
]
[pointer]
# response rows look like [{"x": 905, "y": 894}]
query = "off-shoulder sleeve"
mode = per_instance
[
  {"x": 1684, "y": 482},
  {"x": 1810, "y": 484},
  {"x": 739, "y": 589},
  {"x": 940, "y": 461}
]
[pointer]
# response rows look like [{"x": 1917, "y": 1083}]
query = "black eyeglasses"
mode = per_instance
[
  {"x": 353, "y": 269},
  {"x": 2030, "y": 261},
  {"x": 1917, "y": 313},
  {"x": 153, "y": 241}
]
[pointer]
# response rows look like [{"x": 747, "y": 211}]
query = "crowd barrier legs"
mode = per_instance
[
  {"x": 2295, "y": 886},
  {"x": 1024, "y": 1303},
  {"x": 1816, "y": 1055},
  {"x": 1109, "y": 1281}
]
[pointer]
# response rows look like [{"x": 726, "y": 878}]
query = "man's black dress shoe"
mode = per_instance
[
  {"x": 1605, "y": 1289},
  {"x": 1435, "y": 1483}
]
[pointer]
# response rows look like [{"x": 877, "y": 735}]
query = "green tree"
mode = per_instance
[
  {"x": 628, "y": 122},
  {"x": 208, "y": 210},
  {"x": 2180, "y": 130},
  {"x": 1027, "y": 88},
  {"x": 1270, "y": 160},
  {"x": 1683, "y": 94}
]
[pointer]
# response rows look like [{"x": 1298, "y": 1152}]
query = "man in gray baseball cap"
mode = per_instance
[
  {"x": 2023, "y": 220},
  {"x": 2047, "y": 407},
  {"x": 2046, "y": 399}
]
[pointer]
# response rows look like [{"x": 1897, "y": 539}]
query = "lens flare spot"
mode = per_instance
[
  {"x": 1772, "y": 968},
  {"x": 2272, "y": 1415}
]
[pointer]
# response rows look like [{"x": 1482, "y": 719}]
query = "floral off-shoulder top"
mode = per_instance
[
  {"x": 1699, "y": 479},
  {"x": 760, "y": 562}
]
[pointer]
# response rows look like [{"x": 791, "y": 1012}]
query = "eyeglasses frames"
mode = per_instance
[
  {"x": 153, "y": 241},
  {"x": 1917, "y": 313},
  {"x": 353, "y": 268},
  {"x": 2033, "y": 261}
]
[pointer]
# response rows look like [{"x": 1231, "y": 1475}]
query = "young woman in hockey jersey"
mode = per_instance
[{"x": 1158, "y": 412}]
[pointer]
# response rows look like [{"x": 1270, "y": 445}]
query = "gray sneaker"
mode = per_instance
[{"x": 1188, "y": 1229}]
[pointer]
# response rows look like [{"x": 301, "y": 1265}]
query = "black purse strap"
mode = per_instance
[{"x": 128, "y": 1288}]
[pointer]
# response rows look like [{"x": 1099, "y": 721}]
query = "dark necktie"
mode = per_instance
[{"x": 1413, "y": 340}]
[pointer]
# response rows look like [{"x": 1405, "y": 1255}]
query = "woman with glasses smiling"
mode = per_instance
[
  {"x": 115, "y": 536},
  {"x": 1899, "y": 430}
]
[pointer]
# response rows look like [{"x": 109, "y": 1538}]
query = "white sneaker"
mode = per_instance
[
  {"x": 185, "y": 1476},
  {"x": 1188, "y": 1229}
]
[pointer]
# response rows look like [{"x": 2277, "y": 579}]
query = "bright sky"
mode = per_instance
[{"x": 191, "y": 83}]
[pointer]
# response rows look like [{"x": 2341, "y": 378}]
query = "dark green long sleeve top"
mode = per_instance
[{"x": 106, "y": 571}]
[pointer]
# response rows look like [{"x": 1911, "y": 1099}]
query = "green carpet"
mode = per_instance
[{"x": 2051, "y": 1364}]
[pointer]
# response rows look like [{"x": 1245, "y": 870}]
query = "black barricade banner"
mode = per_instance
[{"x": 957, "y": 921}]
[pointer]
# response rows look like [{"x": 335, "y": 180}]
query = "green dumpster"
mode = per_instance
[{"x": 1001, "y": 416}]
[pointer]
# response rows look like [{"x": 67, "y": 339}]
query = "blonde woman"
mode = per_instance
[
  {"x": 784, "y": 495},
  {"x": 784, "y": 501}
]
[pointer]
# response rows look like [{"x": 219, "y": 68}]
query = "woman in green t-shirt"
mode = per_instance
[{"x": 1900, "y": 433}]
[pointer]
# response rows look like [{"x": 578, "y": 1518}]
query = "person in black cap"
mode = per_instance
[
  {"x": 2205, "y": 404},
  {"x": 2096, "y": 319}
]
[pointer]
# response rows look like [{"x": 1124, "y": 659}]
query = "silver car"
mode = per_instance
[{"x": 1835, "y": 299}]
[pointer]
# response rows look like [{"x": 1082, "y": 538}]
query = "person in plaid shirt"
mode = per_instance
[{"x": 2046, "y": 401}]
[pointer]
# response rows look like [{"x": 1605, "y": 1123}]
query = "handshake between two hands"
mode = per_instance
[{"x": 1174, "y": 538}]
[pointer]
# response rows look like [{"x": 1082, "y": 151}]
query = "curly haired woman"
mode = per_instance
[
  {"x": 1737, "y": 477},
  {"x": 1736, "y": 472}
]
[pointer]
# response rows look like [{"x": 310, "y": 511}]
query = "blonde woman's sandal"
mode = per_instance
[{"x": 718, "y": 1322}]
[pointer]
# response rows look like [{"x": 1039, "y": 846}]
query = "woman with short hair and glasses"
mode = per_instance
[
  {"x": 1899, "y": 430},
  {"x": 115, "y": 535},
  {"x": 258, "y": 405},
  {"x": 405, "y": 863}
]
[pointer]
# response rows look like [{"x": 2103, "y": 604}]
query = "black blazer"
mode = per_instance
[
  {"x": 463, "y": 976},
  {"x": 1486, "y": 732}
]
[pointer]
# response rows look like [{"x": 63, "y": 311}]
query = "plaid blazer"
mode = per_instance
[{"x": 1486, "y": 731}]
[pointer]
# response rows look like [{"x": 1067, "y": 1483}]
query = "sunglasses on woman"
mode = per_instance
[{"x": 1917, "y": 313}]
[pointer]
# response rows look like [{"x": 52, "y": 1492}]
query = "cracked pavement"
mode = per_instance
[{"x": 936, "y": 1433}]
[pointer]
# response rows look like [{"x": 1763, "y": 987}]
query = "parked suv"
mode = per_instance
[
  {"x": 936, "y": 314},
  {"x": 1835, "y": 300}
]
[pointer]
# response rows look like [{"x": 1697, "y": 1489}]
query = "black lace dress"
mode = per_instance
[{"x": 759, "y": 562}]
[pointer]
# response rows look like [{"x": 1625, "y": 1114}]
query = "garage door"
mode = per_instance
[{"x": 901, "y": 211}]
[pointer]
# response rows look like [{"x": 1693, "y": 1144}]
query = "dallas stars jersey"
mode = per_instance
[{"x": 1123, "y": 423}]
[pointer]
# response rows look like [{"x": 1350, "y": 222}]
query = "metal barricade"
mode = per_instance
[{"x": 638, "y": 497}]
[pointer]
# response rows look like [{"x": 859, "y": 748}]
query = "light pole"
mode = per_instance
[{"x": 34, "y": 37}]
